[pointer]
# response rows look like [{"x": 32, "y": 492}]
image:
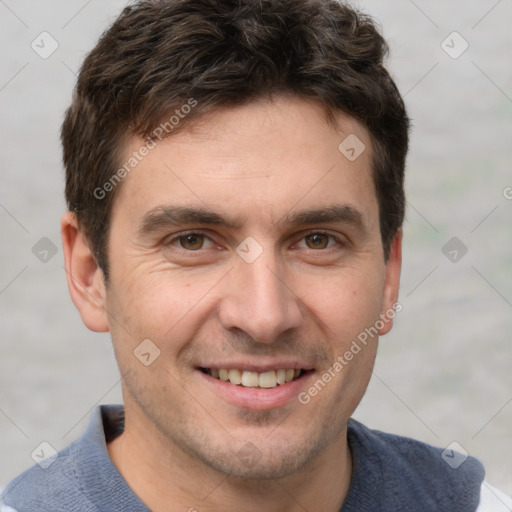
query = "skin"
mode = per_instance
[{"x": 259, "y": 165}]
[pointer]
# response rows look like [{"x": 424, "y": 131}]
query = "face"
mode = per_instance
[{"x": 248, "y": 248}]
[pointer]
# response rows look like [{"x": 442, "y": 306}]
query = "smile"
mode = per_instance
[{"x": 250, "y": 379}]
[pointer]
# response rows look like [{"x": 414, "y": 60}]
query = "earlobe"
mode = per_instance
[
  {"x": 390, "y": 306},
  {"x": 84, "y": 276}
]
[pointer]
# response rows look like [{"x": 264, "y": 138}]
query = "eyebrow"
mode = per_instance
[
  {"x": 166, "y": 216},
  {"x": 327, "y": 215}
]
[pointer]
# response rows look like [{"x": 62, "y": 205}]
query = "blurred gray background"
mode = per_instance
[{"x": 443, "y": 373}]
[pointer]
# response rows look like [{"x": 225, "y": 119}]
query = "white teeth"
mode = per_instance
[
  {"x": 235, "y": 376},
  {"x": 250, "y": 379},
  {"x": 269, "y": 379}
]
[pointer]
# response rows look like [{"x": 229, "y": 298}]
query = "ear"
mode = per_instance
[
  {"x": 84, "y": 277},
  {"x": 390, "y": 304}
]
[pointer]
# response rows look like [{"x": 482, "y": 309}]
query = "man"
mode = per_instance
[{"x": 234, "y": 178}]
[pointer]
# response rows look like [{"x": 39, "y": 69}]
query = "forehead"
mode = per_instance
[{"x": 258, "y": 161}]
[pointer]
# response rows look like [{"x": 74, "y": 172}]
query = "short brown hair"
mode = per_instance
[{"x": 160, "y": 54}]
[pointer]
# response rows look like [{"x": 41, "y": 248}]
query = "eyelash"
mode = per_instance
[{"x": 176, "y": 238}]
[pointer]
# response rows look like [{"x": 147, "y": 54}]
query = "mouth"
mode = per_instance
[{"x": 251, "y": 379}]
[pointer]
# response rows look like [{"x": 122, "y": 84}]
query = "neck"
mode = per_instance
[{"x": 165, "y": 477}]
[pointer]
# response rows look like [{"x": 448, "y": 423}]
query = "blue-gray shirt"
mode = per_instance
[{"x": 390, "y": 473}]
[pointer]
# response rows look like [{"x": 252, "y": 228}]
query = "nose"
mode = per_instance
[{"x": 260, "y": 301}]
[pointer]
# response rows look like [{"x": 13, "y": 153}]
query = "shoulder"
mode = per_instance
[
  {"x": 80, "y": 477},
  {"x": 40, "y": 485},
  {"x": 414, "y": 453},
  {"x": 56, "y": 483},
  {"x": 409, "y": 472}
]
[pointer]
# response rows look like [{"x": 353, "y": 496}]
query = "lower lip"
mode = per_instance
[{"x": 257, "y": 398}]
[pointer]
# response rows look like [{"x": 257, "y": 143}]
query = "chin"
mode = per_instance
[
  {"x": 262, "y": 459},
  {"x": 261, "y": 466}
]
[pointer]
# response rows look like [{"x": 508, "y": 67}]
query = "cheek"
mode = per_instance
[
  {"x": 158, "y": 306},
  {"x": 348, "y": 308},
  {"x": 346, "y": 302}
]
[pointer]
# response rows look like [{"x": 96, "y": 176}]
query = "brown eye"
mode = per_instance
[
  {"x": 192, "y": 242},
  {"x": 317, "y": 241}
]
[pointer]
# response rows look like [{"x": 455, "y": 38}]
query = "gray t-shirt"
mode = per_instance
[{"x": 390, "y": 473}]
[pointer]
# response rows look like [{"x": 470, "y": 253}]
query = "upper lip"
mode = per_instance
[{"x": 259, "y": 367}]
